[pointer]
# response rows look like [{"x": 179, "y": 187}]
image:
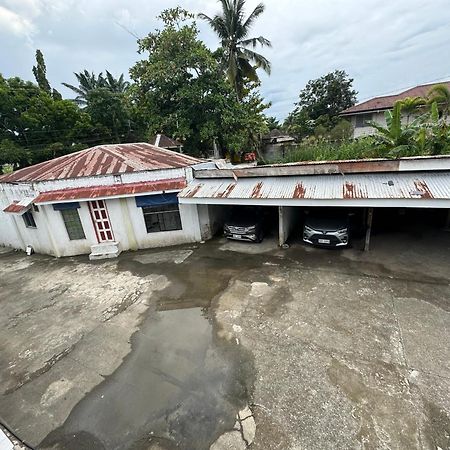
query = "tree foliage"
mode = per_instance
[
  {"x": 180, "y": 87},
  {"x": 320, "y": 103}
]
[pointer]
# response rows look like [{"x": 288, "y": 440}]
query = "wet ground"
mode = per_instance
[{"x": 161, "y": 349}]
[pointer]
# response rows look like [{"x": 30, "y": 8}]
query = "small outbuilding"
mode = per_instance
[{"x": 100, "y": 201}]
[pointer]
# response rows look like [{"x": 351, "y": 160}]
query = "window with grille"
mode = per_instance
[
  {"x": 162, "y": 218},
  {"x": 73, "y": 224},
  {"x": 29, "y": 219},
  {"x": 362, "y": 119}
]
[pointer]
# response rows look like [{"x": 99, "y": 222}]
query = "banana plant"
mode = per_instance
[{"x": 397, "y": 138}]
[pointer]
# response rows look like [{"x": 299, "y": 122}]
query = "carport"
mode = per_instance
[{"x": 422, "y": 182}]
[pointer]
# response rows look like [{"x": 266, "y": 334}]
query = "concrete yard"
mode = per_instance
[{"x": 229, "y": 345}]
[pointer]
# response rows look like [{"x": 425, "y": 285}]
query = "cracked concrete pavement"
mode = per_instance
[{"x": 229, "y": 346}]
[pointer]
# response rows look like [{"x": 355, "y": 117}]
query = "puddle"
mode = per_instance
[
  {"x": 180, "y": 386},
  {"x": 177, "y": 384}
]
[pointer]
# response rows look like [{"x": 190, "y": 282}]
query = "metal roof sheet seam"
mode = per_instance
[{"x": 409, "y": 185}]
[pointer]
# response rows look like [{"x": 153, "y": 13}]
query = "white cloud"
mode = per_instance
[
  {"x": 13, "y": 23},
  {"x": 384, "y": 45}
]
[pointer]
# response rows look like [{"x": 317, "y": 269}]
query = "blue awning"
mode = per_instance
[
  {"x": 156, "y": 200},
  {"x": 65, "y": 206}
]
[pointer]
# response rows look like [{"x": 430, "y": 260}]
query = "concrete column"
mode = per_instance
[
  {"x": 282, "y": 238},
  {"x": 131, "y": 236},
  {"x": 368, "y": 229}
]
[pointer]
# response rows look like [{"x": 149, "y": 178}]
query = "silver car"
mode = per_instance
[{"x": 326, "y": 232}]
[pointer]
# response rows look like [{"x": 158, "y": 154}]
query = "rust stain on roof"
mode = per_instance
[
  {"x": 348, "y": 190},
  {"x": 194, "y": 190},
  {"x": 422, "y": 187},
  {"x": 103, "y": 160},
  {"x": 110, "y": 191},
  {"x": 14, "y": 208},
  {"x": 299, "y": 191},
  {"x": 227, "y": 191},
  {"x": 256, "y": 192}
]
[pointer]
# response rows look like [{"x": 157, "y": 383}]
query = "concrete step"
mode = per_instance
[{"x": 105, "y": 250}]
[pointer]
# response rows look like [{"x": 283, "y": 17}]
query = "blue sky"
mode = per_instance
[{"x": 384, "y": 45}]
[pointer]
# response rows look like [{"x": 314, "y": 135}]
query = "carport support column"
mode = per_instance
[
  {"x": 368, "y": 229},
  {"x": 281, "y": 229}
]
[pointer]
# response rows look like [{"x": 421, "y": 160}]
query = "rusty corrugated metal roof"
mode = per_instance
[
  {"x": 102, "y": 160},
  {"x": 19, "y": 207},
  {"x": 115, "y": 190},
  {"x": 323, "y": 187}
]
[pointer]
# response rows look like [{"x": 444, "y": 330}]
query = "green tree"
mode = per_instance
[
  {"x": 323, "y": 99},
  {"x": 411, "y": 105},
  {"x": 440, "y": 94},
  {"x": 40, "y": 74},
  {"x": 88, "y": 81},
  {"x": 181, "y": 91},
  {"x": 272, "y": 123},
  {"x": 232, "y": 28},
  {"x": 395, "y": 138},
  {"x": 13, "y": 154},
  {"x": 108, "y": 110}
]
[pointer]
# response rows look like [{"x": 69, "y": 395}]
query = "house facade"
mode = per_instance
[
  {"x": 101, "y": 201},
  {"x": 375, "y": 108}
]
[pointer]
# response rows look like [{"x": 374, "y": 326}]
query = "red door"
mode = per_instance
[{"x": 100, "y": 218}]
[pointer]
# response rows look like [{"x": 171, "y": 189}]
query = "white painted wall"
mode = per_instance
[
  {"x": 286, "y": 223},
  {"x": 127, "y": 220},
  {"x": 377, "y": 117}
]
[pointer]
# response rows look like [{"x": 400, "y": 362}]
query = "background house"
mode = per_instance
[
  {"x": 101, "y": 201},
  {"x": 275, "y": 143},
  {"x": 163, "y": 141},
  {"x": 375, "y": 108}
]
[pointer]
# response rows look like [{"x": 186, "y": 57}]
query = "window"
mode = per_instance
[
  {"x": 162, "y": 218},
  {"x": 362, "y": 119},
  {"x": 73, "y": 224},
  {"x": 29, "y": 219}
]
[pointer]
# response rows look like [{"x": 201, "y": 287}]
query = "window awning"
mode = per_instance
[
  {"x": 19, "y": 207},
  {"x": 115, "y": 190},
  {"x": 156, "y": 200}
]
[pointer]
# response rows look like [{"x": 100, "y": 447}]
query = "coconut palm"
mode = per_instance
[
  {"x": 240, "y": 61},
  {"x": 87, "y": 82},
  {"x": 411, "y": 105},
  {"x": 118, "y": 85},
  {"x": 441, "y": 95}
]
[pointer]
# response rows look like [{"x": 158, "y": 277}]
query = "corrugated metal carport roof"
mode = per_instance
[{"x": 340, "y": 189}]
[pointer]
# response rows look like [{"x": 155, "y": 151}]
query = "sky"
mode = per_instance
[{"x": 384, "y": 45}]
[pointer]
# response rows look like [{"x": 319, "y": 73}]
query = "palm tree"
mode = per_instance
[
  {"x": 240, "y": 61},
  {"x": 118, "y": 85},
  {"x": 411, "y": 105},
  {"x": 87, "y": 82},
  {"x": 441, "y": 95}
]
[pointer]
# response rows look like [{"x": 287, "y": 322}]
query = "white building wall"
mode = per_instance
[
  {"x": 377, "y": 117},
  {"x": 60, "y": 242},
  {"x": 127, "y": 220}
]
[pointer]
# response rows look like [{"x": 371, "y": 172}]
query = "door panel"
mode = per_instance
[{"x": 100, "y": 219}]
